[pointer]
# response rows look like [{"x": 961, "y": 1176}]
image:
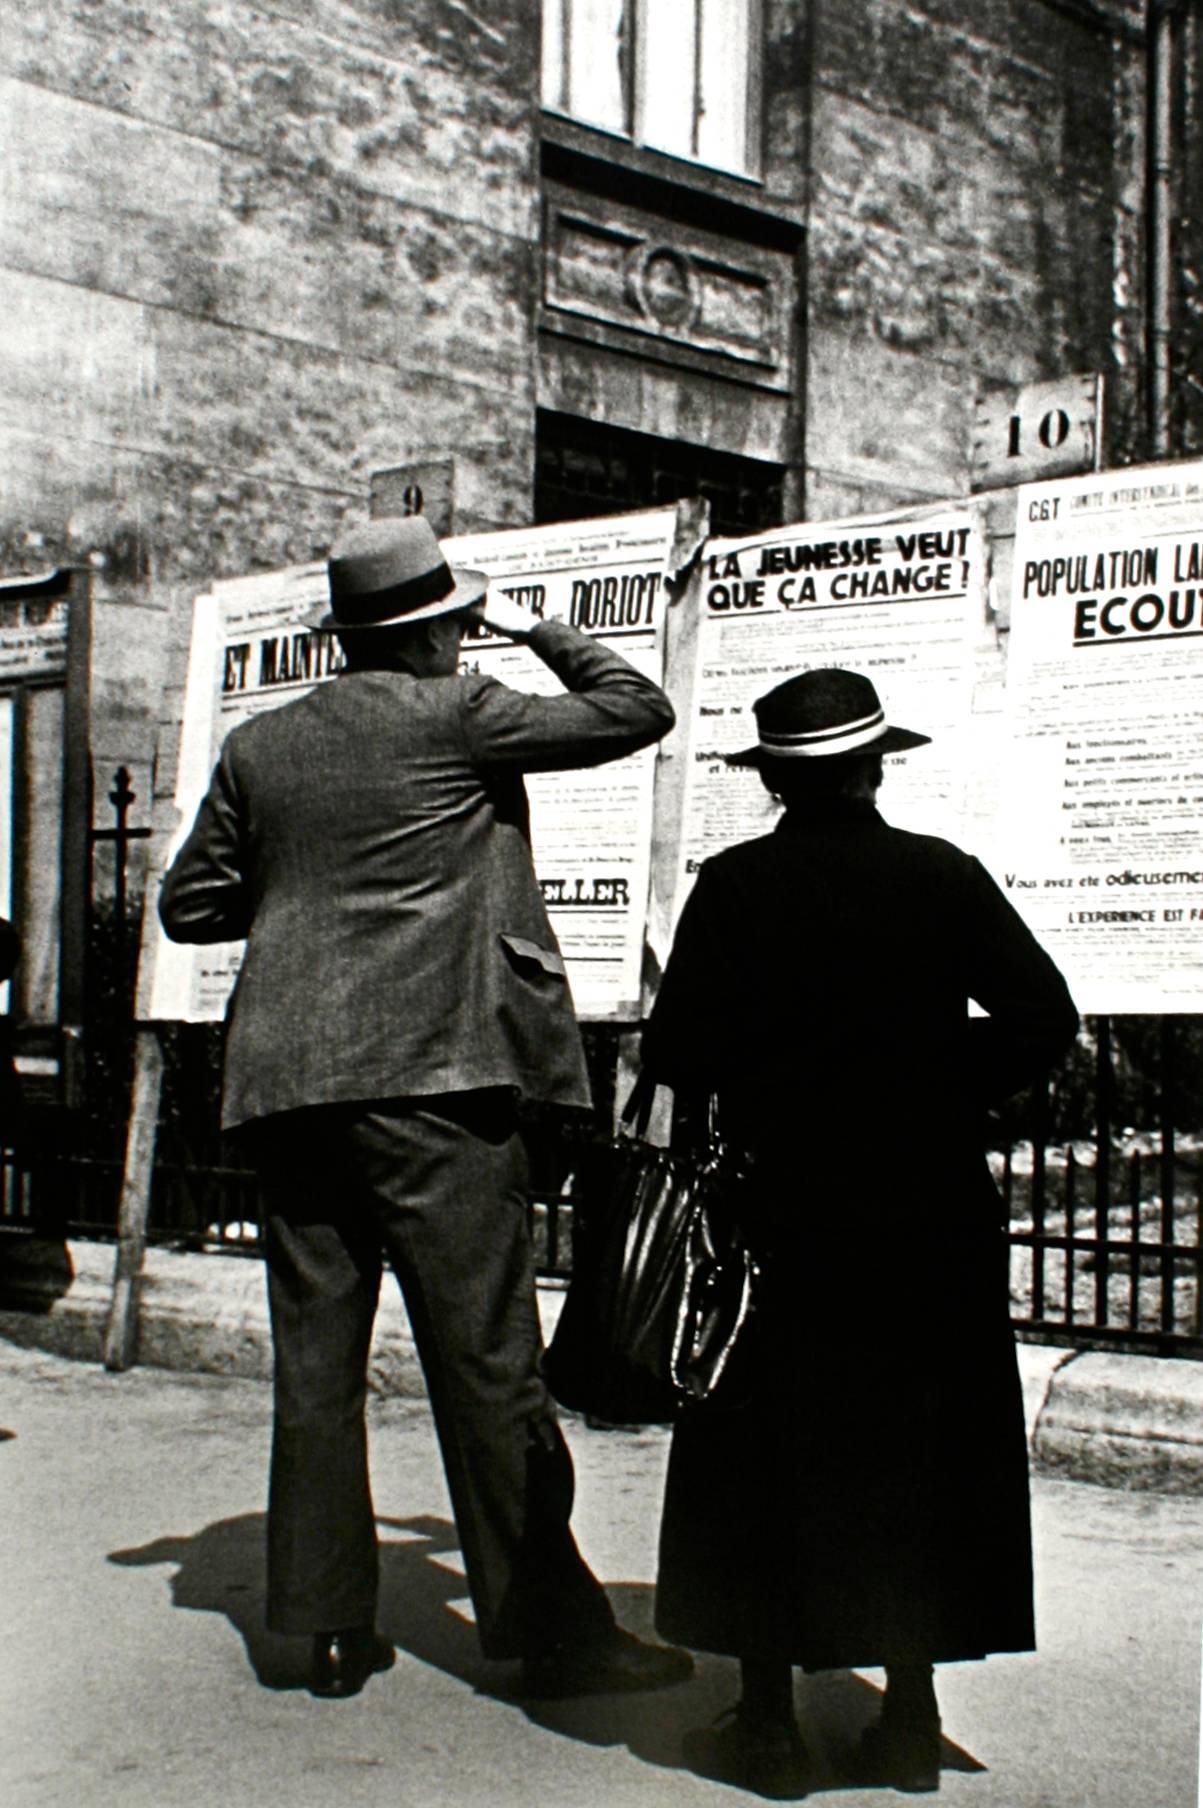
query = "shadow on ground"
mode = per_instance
[{"x": 220, "y": 1569}]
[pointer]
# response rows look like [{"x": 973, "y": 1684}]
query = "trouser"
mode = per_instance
[{"x": 438, "y": 1185}]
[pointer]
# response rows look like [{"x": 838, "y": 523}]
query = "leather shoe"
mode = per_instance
[
  {"x": 618, "y": 1662},
  {"x": 343, "y": 1661},
  {"x": 900, "y": 1754},
  {"x": 766, "y": 1757}
]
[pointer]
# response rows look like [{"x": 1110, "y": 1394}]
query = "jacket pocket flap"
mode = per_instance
[{"x": 550, "y": 959}]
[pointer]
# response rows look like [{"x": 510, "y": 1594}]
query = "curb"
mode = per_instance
[
  {"x": 1125, "y": 1421},
  {"x": 199, "y": 1314}
]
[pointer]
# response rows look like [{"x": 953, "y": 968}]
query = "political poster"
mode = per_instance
[
  {"x": 898, "y": 597},
  {"x": 1099, "y": 834},
  {"x": 251, "y": 650},
  {"x": 591, "y": 830}
]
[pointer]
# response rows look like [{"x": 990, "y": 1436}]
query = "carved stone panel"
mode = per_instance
[{"x": 622, "y": 277}]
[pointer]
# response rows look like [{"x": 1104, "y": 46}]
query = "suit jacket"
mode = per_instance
[{"x": 371, "y": 843}]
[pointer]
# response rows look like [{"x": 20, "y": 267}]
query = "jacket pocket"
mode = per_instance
[{"x": 530, "y": 959}]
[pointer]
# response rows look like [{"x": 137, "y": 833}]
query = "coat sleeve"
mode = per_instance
[
  {"x": 608, "y": 709},
  {"x": 205, "y": 897},
  {"x": 1032, "y": 1018}
]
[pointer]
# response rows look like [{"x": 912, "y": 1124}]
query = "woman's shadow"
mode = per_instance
[{"x": 423, "y": 1601}]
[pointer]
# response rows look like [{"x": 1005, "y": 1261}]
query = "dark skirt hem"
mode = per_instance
[{"x": 813, "y": 1661}]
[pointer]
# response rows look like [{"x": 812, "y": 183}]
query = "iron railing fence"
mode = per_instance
[
  {"x": 1105, "y": 1235},
  {"x": 1101, "y": 1175},
  {"x": 1126, "y": 1273},
  {"x": 214, "y": 1209},
  {"x": 1101, "y": 1171},
  {"x": 1122, "y": 1267}
]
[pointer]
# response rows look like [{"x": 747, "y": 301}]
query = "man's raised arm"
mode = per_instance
[{"x": 608, "y": 708}]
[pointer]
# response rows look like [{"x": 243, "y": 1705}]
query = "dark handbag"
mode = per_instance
[{"x": 659, "y": 1315}]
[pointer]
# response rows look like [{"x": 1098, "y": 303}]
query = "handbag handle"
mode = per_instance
[{"x": 637, "y": 1112}]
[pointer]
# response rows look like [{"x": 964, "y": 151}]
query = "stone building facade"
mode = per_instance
[{"x": 257, "y": 262}]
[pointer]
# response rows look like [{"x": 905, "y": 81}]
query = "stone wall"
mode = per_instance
[
  {"x": 977, "y": 187},
  {"x": 247, "y": 256},
  {"x": 250, "y": 256},
  {"x": 1187, "y": 214}
]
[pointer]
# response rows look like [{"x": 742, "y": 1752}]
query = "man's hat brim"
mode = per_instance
[
  {"x": 890, "y": 740},
  {"x": 469, "y": 588}
]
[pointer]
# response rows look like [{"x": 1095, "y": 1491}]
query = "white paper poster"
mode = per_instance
[
  {"x": 591, "y": 830},
  {"x": 250, "y": 651},
  {"x": 899, "y": 598},
  {"x": 1100, "y": 841}
]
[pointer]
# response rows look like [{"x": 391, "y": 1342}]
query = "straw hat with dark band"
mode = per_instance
[
  {"x": 387, "y": 573},
  {"x": 820, "y": 715}
]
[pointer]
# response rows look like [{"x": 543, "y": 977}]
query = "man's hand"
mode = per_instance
[{"x": 505, "y": 616}]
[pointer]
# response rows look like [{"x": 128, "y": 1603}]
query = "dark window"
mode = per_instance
[{"x": 583, "y": 469}]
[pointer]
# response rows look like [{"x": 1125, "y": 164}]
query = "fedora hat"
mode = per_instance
[
  {"x": 386, "y": 573},
  {"x": 819, "y": 715}
]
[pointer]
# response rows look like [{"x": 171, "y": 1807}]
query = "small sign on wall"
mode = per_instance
[
  {"x": 33, "y": 627},
  {"x": 420, "y": 489},
  {"x": 1037, "y": 430}
]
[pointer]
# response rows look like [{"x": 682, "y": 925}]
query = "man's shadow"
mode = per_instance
[{"x": 423, "y": 1597}]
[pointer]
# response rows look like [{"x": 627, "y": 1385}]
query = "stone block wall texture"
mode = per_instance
[
  {"x": 975, "y": 220},
  {"x": 248, "y": 255},
  {"x": 1187, "y": 214}
]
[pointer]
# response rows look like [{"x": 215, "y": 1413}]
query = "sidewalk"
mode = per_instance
[
  {"x": 1125, "y": 1420},
  {"x": 135, "y": 1670}
]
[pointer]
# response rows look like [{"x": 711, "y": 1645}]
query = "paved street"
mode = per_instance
[{"x": 135, "y": 1673}]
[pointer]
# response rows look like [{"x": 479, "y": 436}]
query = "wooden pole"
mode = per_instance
[{"x": 121, "y": 1332}]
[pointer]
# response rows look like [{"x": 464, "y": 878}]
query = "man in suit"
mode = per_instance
[{"x": 401, "y": 990}]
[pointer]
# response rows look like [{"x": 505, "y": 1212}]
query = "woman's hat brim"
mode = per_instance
[
  {"x": 890, "y": 740},
  {"x": 470, "y": 587}
]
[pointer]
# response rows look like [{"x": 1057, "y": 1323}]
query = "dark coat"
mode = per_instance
[
  {"x": 872, "y": 1505},
  {"x": 371, "y": 841}
]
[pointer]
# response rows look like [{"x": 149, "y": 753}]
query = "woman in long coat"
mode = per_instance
[{"x": 871, "y": 1506}]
